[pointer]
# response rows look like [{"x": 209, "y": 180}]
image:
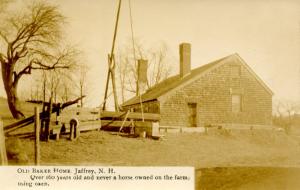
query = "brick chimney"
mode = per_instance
[
  {"x": 142, "y": 76},
  {"x": 185, "y": 59}
]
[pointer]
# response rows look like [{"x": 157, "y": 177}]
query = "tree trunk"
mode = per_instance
[
  {"x": 81, "y": 94},
  {"x": 44, "y": 89},
  {"x": 11, "y": 90},
  {"x": 12, "y": 101}
]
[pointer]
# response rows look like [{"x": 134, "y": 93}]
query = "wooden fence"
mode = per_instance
[{"x": 3, "y": 156}]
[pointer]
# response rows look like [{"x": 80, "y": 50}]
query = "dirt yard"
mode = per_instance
[
  {"x": 242, "y": 159},
  {"x": 241, "y": 148}
]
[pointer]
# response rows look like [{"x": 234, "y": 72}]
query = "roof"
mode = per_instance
[{"x": 174, "y": 81}]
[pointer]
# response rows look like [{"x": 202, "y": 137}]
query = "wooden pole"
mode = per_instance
[
  {"x": 48, "y": 120},
  {"x": 50, "y": 114},
  {"x": 112, "y": 52},
  {"x": 44, "y": 86},
  {"x": 114, "y": 83},
  {"x": 37, "y": 135},
  {"x": 107, "y": 83},
  {"x": 3, "y": 155},
  {"x": 42, "y": 122}
]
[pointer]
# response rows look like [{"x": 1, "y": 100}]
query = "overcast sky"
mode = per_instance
[{"x": 265, "y": 33}]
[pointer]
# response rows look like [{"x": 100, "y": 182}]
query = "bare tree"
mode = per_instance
[
  {"x": 122, "y": 73},
  {"x": 66, "y": 92},
  {"x": 58, "y": 84},
  {"x": 159, "y": 67},
  {"x": 69, "y": 86},
  {"x": 284, "y": 113},
  {"x": 30, "y": 39},
  {"x": 83, "y": 69}
]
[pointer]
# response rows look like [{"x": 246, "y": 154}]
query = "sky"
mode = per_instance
[{"x": 265, "y": 33}]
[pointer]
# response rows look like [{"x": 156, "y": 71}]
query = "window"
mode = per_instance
[
  {"x": 236, "y": 103},
  {"x": 235, "y": 71}
]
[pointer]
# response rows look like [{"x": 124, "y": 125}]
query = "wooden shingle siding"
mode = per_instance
[
  {"x": 211, "y": 88},
  {"x": 212, "y": 93}
]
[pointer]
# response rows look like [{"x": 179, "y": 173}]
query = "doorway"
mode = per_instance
[{"x": 192, "y": 114}]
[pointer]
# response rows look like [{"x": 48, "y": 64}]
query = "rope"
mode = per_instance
[{"x": 134, "y": 56}]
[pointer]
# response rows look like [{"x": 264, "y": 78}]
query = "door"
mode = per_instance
[{"x": 192, "y": 114}]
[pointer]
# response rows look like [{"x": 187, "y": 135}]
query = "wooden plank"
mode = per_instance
[
  {"x": 132, "y": 115},
  {"x": 89, "y": 128},
  {"x": 81, "y": 128},
  {"x": 110, "y": 123},
  {"x": 23, "y": 135},
  {"x": 37, "y": 135},
  {"x": 30, "y": 119},
  {"x": 7, "y": 132},
  {"x": 86, "y": 122},
  {"x": 90, "y": 125},
  {"x": 56, "y": 131},
  {"x": 94, "y": 122},
  {"x": 3, "y": 156}
]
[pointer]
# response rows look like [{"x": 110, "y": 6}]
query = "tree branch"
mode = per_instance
[
  {"x": 2, "y": 57},
  {"x": 130, "y": 90},
  {"x": 52, "y": 67},
  {"x": 17, "y": 76},
  {"x": 4, "y": 37},
  {"x": 40, "y": 27}
]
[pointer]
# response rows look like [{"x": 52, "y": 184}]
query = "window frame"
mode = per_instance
[{"x": 235, "y": 105}]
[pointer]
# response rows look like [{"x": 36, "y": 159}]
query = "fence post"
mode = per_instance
[
  {"x": 48, "y": 120},
  {"x": 3, "y": 155},
  {"x": 37, "y": 135}
]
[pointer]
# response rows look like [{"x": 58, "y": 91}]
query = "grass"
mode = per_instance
[
  {"x": 198, "y": 150},
  {"x": 242, "y": 159},
  {"x": 5, "y": 115},
  {"x": 96, "y": 148}
]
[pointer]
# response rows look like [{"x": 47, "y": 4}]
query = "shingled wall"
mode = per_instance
[{"x": 212, "y": 93}]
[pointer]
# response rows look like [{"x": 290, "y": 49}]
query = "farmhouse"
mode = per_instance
[{"x": 223, "y": 92}]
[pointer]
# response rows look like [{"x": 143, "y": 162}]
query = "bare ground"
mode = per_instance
[
  {"x": 261, "y": 159},
  {"x": 241, "y": 160},
  {"x": 241, "y": 148}
]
